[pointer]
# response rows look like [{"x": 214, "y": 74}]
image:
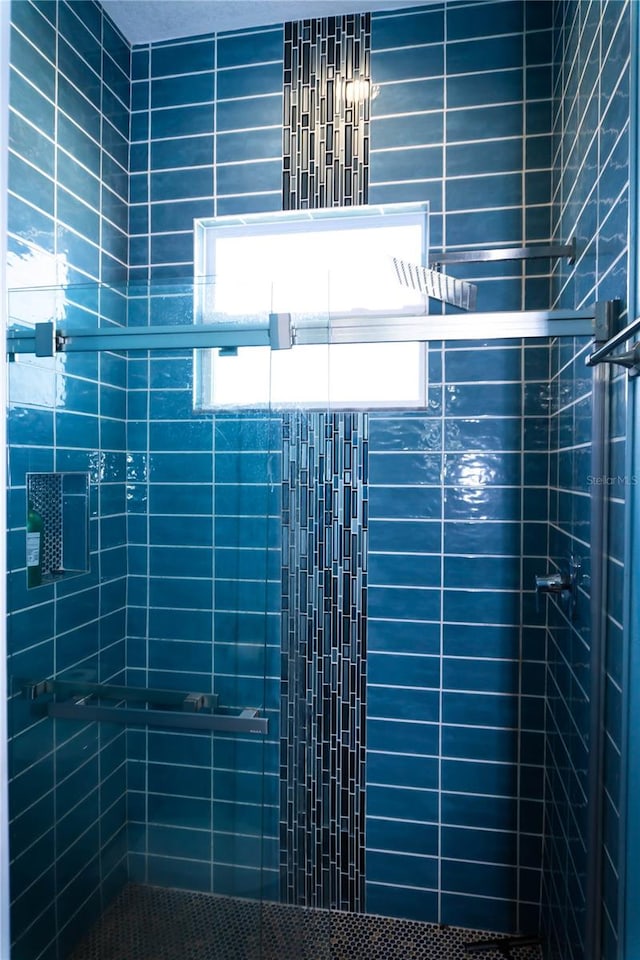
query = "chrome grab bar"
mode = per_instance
[
  {"x": 82, "y": 700},
  {"x": 113, "y": 691}
]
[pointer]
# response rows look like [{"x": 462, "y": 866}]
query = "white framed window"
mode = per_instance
[{"x": 333, "y": 272}]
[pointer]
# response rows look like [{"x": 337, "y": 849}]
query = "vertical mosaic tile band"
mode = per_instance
[
  {"x": 324, "y": 581},
  {"x": 327, "y": 95}
]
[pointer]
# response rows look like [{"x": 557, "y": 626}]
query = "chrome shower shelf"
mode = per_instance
[{"x": 79, "y": 700}]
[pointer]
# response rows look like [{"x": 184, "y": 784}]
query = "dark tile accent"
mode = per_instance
[
  {"x": 151, "y": 923},
  {"x": 45, "y": 492},
  {"x": 327, "y": 91},
  {"x": 323, "y": 708}
]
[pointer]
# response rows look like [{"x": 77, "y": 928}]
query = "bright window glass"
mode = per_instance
[{"x": 322, "y": 267}]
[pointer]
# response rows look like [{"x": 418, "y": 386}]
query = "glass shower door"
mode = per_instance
[
  {"x": 147, "y": 833},
  {"x": 227, "y": 567},
  {"x": 246, "y": 622}
]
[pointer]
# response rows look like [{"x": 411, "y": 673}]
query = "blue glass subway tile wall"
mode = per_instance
[
  {"x": 470, "y": 112},
  {"x": 432, "y": 138},
  {"x": 590, "y": 191},
  {"x": 82, "y": 82},
  {"x": 457, "y": 116},
  {"x": 455, "y": 652},
  {"x": 68, "y": 213},
  {"x": 206, "y": 139}
]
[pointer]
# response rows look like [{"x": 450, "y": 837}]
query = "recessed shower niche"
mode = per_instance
[{"x": 57, "y": 526}]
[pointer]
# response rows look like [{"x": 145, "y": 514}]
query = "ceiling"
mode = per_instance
[{"x": 145, "y": 21}]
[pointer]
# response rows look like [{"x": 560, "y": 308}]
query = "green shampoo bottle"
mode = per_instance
[{"x": 34, "y": 547}]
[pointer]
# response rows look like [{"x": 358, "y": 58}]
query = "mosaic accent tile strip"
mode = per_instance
[
  {"x": 327, "y": 91},
  {"x": 45, "y": 493},
  {"x": 151, "y": 923},
  {"x": 323, "y": 692}
]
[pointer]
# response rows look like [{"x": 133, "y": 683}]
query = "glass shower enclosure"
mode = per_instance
[
  {"x": 143, "y": 598},
  {"x": 193, "y": 589}
]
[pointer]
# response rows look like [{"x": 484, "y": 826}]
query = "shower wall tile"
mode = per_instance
[
  {"x": 206, "y": 140},
  {"x": 447, "y": 679},
  {"x": 247, "y": 114},
  {"x": 434, "y": 98},
  {"x": 590, "y": 191},
  {"x": 207, "y": 119},
  {"x": 69, "y": 97}
]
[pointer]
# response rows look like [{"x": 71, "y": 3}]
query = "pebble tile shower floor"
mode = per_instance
[{"x": 153, "y": 923}]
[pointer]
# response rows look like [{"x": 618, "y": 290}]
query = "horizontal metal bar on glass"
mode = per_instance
[
  {"x": 46, "y": 340},
  {"x": 468, "y": 326},
  {"x": 79, "y": 700}
]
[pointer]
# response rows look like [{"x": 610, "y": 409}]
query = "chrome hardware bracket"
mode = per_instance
[
  {"x": 558, "y": 251},
  {"x": 563, "y": 584},
  {"x": 630, "y": 360}
]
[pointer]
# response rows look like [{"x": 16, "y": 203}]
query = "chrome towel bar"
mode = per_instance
[{"x": 80, "y": 700}]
